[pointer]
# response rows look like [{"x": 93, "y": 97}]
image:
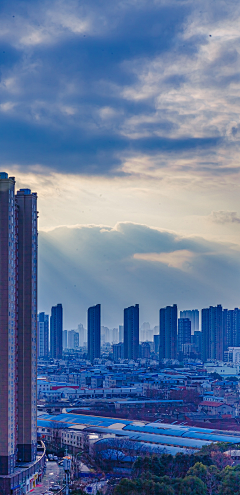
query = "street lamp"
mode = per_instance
[{"x": 79, "y": 453}]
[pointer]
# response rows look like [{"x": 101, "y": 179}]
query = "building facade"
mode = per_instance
[
  {"x": 56, "y": 331},
  {"x": 131, "y": 332},
  {"x": 168, "y": 332},
  {"x": 18, "y": 328},
  {"x": 94, "y": 332},
  {"x": 184, "y": 332},
  {"x": 43, "y": 335},
  {"x": 193, "y": 316},
  {"x": 212, "y": 333}
]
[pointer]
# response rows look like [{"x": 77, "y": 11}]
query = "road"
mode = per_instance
[{"x": 54, "y": 475}]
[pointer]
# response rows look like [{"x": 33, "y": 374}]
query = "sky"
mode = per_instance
[{"x": 124, "y": 117}]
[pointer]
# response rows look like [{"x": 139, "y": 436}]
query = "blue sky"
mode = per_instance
[{"x": 126, "y": 113}]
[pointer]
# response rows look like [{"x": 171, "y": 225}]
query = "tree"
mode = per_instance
[
  {"x": 231, "y": 482},
  {"x": 198, "y": 470},
  {"x": 192, "y": 485}
]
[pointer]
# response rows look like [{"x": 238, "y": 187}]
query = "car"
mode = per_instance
[
  {"x": 55, "y": 458},
  {"x": 55, "y": 488}
]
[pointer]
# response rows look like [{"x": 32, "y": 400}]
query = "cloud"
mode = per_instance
[
  {"x": 92, "y": 86},
  {"x": 132, "y": 263},
  {"x": 223, "y": 217}
]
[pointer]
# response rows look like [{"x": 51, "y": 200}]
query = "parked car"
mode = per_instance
[
  {"x": 55, "y": 458},
  {"x": 55, "y": 488}
]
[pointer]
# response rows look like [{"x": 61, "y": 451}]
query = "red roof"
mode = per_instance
[{"x": 211, "y": 403}]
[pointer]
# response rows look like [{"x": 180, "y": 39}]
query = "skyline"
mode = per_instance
[{"x": 125, "y": 118}]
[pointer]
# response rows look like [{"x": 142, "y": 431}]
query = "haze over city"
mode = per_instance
[{"x": 124, "y": 117}]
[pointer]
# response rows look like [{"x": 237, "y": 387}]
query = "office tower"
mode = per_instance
[
  {"x": 184, "y": 332},
  {"x": 18, "y": 329},
  {"x": 94, "y": 333},
  {"x": 65, "y": 339},
  {"x": 121, "y": 333},
  {"x": 168, "y": 332},
  {"x": 56, "y": 331},
  {"x": 115, "y": 337},
  {"x": 118, "y": 351},
  {"x": 156, "y": 343},
  {"x": 73, "y": 339},
  {"x": 43, "y": 335},
  {"x": 212, "y": 333},
  {"x": 193, "y": 316},
  {"x": 131, "y": 332}
]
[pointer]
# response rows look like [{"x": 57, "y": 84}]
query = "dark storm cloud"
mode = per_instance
[
  {"x": 90, "y": 264},
  {"x": 86, "y": 84}
]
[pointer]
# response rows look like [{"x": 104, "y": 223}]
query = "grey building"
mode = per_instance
[
  {"x": 131, "y": 332},
  {"x": 56, "y": 331},
  {"x": 65, "y": 339},
  {"x": 94, "y": 332},
  {"x": 168, "y": 332}
]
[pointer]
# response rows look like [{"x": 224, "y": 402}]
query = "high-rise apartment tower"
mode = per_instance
[
  {"x": 131, "y": 332},
  {"x": 18, "y": 327},
  {"x": 168, "y": 332},
  {"x": 56, "y": 331},
  {"x": 94, "y": 332}
]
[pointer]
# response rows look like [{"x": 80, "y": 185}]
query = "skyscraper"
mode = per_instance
[
  {"x": 94, "y": 332},
  {"x": 184, "y": 332},
  {"x": 121, "y": 333},
  {"x": 26, "y": 203},
  {"x": 65, "y": 339},
  {"x": 43, "y": 335},
  {"x": 56, "y": 331},
  {"x": 193, "y": 316},
  {"x": 73, "y": 339},
  {"x": 212, "y": 333},
  {"x": 131, "y": 332},
  {"x": 168, "y": 332},
  {"x": 18, "y": 328},
  {"x": 231, "y": 328}
]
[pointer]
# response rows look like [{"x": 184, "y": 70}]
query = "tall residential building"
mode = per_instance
[
  {"x": 121, "y": 333},
  {"x": 168, "y": 332},
  {"x": 131, "y": 332},
  {"x": 56, "y": 331},
  {"x": 94, "y": 332},
  {"x": 118, "y": 351},
  {"x": 115, "y": 337},
  {"x": 156, "y": 343},
  {"x": 43, "y": 335},
  {"x": 65, "y": 339},
  {"x": 73, "y": 339},
  {"x": 26, "y": 203},
  {"x": 82, "y": 335},
  {"x": 212, "y": 333},
  {"x": 193, "y": 316},
  {"x": 18, "y": 329},
  {"x": 184, "y": 332},
  {"x": 231, "y": 328}
]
